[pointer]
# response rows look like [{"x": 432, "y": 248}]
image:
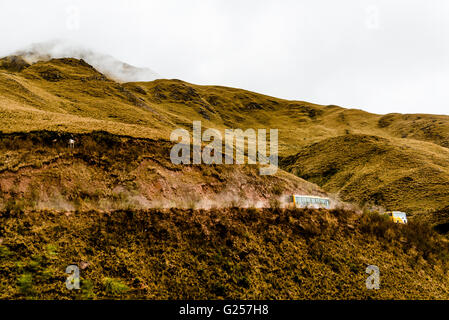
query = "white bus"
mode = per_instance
[{"x": 305, "y": 201}]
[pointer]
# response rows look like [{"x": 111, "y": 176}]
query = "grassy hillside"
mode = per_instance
[
  {"x": 61, "y": 93},
  {"x": 373, "y": 170},
  {"x": 219, "y": 254}
]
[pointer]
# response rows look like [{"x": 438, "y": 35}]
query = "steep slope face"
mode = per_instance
[
  {"x": 389, "y": 173},
  {"x": 105, "y": 172}
]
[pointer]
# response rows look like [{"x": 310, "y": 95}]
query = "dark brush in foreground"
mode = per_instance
[{"x": 229, "y": 253}]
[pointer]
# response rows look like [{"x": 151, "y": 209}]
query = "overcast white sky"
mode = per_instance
[{"x": 378, "y": 55}]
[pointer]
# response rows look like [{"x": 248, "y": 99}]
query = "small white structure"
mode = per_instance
[{"x": 71, "y": 143}]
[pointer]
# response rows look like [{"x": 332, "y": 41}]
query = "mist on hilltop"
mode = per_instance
[{"x": 106, "y": 64}]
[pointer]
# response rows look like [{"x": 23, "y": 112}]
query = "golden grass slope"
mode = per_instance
[{"x": 68, "y": 89}]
